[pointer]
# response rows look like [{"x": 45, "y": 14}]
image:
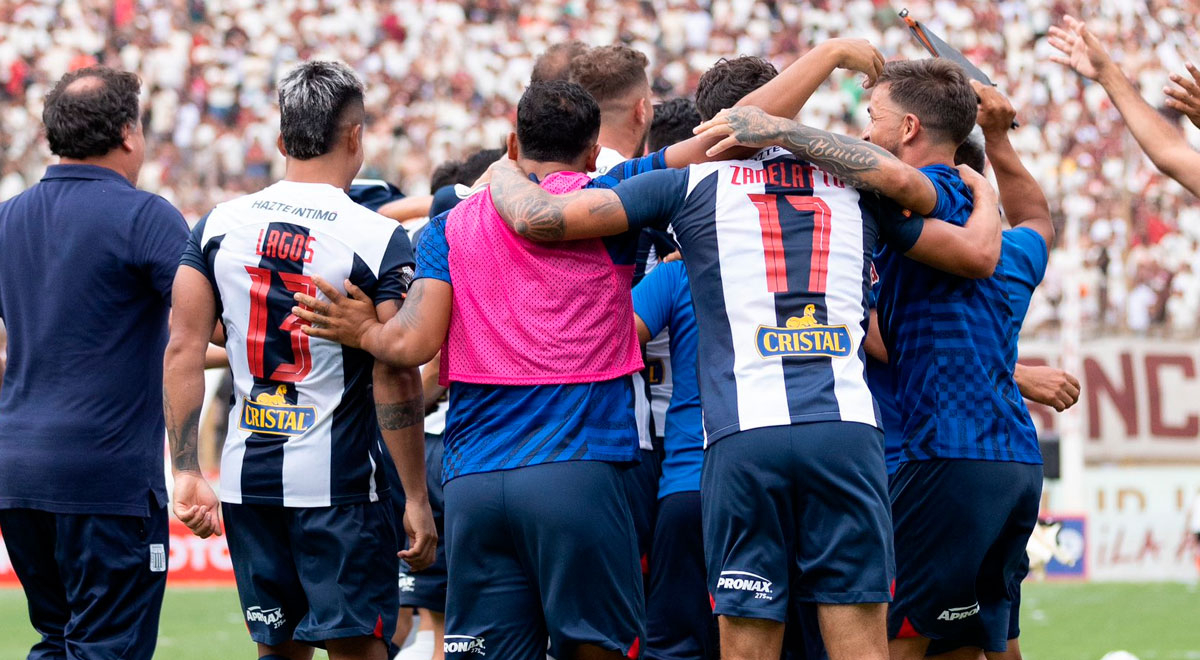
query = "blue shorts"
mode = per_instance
[
  {"x": 94, "y": 583},
  {"x": 961, "y": 527},
  {"x": 427, "y": 589},
  {"x": 314, "y": 574},
  {"x": 541, "y": 551},
  {"x": 796, "y": 514}
]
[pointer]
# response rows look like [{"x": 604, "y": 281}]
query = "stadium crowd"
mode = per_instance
[{"x": 443, "y": 80}]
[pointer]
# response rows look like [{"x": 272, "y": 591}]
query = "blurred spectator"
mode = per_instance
[{"x": 443, "y": 78}]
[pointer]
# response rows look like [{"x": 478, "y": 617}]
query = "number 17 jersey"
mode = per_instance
[
  {"x": 778, "y": 254},
  {"x": 302, "y": 429}
]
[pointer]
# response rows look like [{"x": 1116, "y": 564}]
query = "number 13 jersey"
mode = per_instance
[
  {"x": 302, "y": 429},
  {"x": 778, "y": 253}
]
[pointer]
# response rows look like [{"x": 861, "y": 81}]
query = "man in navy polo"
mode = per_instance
[{"x": 86, "y": 266}]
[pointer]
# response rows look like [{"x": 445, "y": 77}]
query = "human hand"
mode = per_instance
[
  {"x": 995, "y": 114},
  {"x": 858, "y": 55},
  {"x": 744, "y": 126},
  {"x": 344, "y": 319},
  {"x": 196, "y": 505},
  {"x": 981, "y": 189},
  {"x": 1081, "y": 50},
  {"x": 422, "y": 535},
  {"x": 1186, "y": 99},
  {"x": 1047, "y": 385}
]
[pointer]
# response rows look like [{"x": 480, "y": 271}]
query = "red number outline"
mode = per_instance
[{"x": 772, "y": 236}]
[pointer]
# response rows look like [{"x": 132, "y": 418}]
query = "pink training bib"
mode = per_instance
[{"x": 527, "y": 313}]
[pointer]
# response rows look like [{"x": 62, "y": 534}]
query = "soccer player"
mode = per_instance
[
  {"x": 965, "y": 495},
  {"x": 777, "y": 255},
  {"x": 312, "y": 543},
  {"x": 86, "y": 267},
  {"x": 1161, "y": 141}
]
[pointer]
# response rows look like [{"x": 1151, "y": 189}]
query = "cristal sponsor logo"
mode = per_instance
[
  {"x": 408, "y": 583},
  {"x": 272, "y": 617},
  {"x": 743, "y": 581},
  {"x": 956, "y": 613},
  {"x": 803, "y": 337},
  {"x": 271, "y": 414},
  {"x": 463, "y": 644}
]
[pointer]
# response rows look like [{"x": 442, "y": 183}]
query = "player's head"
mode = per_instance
[
  {"x": 555, "y": 63},
  {"x": 616, "y": 77},
  {"x": 444, "y": 175},
  {"x": 476, "y": 164},
  {"x": 93, "y": 114},
  {"x": 321, "y": 115},
  {"x": 971, "y": 154},
  {"x": 728, "y": 81},
  {"x": 921, "y": 105},
  {"x": 557, "y": 122},
  {"x": 673, "y": 122}
]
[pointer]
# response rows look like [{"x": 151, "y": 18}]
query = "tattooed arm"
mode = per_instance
[
  {"x": 409, "y": 339},
  {"x": 399, "y": 406},
  {"x": 861, "y": 164},
  {"x": 193, "y": 316},
  {"x": 539, "y": 216}
]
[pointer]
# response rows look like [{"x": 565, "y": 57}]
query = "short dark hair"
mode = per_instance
[
  {"x": 971, "y": 154},
  {"x": 444, "y": 175},
  {"x": 728, "y": 81},
  {"x": 315, "y": 100},
  {"x": 555, "y": 63},
  {"x": 673, "y": 122},
  {"x": 610, "y": 72},
  {"x": 90, "y": 119},
  {"x": 937, "y": 91},
  {"x": 478, "y": 163},
  {"x": 557, "y": 121}
]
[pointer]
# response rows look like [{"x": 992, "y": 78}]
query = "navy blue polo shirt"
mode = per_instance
[{"x": 86, "y": 267}]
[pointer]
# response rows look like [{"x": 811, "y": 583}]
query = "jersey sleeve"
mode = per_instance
[
  {"x": 898, "y": 228},
  {"x": 654, "y": 297},
  {"x": 632, "y": 168},
  {"x": 1026, "y": 255},
  {"x": 396, "y": 269},
  {"x": 433, "y": 252},
  {"x": 652, "y": 199},
  {"x": 193, "y": 251},
  {"x": 162, "y": 235},
  {"x": 951, "y": 196},
  {"x": 444, "y": 199}
]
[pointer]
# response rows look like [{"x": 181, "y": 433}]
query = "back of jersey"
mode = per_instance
[
  {"x": 302, "y": 430},
  {"x": 779, "y": 281}
]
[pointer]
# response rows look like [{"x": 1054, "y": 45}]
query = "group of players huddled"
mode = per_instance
[{"x": 714, "y": 383}]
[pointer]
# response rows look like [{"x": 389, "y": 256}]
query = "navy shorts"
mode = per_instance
[
  {"x": 314, "y": 574},
  {"x": 641, "y": 485},
  {"x": 427, "y": 589},
  {"x": 543, "y": 551},
  {"x": 679, "y": 619},
  {"x": 961, "y": 527},
  {"x": 796, "y": 514},
  {"x": 93, "y": 582}
]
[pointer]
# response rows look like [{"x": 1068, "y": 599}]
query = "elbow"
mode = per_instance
[{"x": 981, "y": 265}]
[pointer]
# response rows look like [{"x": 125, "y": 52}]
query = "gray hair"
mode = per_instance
[{"x": 312, "y": 101}]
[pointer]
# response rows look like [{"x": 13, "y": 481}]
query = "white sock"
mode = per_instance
[{"x": 420, "y": 649}]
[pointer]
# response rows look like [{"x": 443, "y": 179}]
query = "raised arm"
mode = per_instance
[
  {"x": 1020, "y": 195},
  {"x": 1161, "y": 141},
  {"x": 786, "y": 94},
  {"x": 539, "y": 216},
  {"x": 860, "y": 164},
  {"x": 408, "y": 339},
  {"x": 193, "y": 316},
  {"x": 399, "y": 407}
]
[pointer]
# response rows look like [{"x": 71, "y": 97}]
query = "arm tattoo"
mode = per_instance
[
  {"x": 396, "y": 416},
  {"x": 852, "y": 160},
  {"x": 526, "y": 208},
  {"x": 183, "y": 438}
]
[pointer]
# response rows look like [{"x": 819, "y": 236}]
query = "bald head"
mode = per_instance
[{"x": 555, "y": 63}]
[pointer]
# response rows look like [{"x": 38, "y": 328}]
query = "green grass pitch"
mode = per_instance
[{"x": 1058, "y": 621}]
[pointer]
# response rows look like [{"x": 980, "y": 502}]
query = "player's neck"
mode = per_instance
[
  {"x": 317, "y": 170},
  {"x": 110, "y": 161},
  {"x": 543, "y": 169},
  {"x": 922, "y": 154},
  {"x": 621, "y": 139}
]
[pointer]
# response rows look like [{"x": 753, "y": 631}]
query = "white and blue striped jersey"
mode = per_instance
[
  {"x": 302, "y": 429},
  {"x": 778, "y": 254}
]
